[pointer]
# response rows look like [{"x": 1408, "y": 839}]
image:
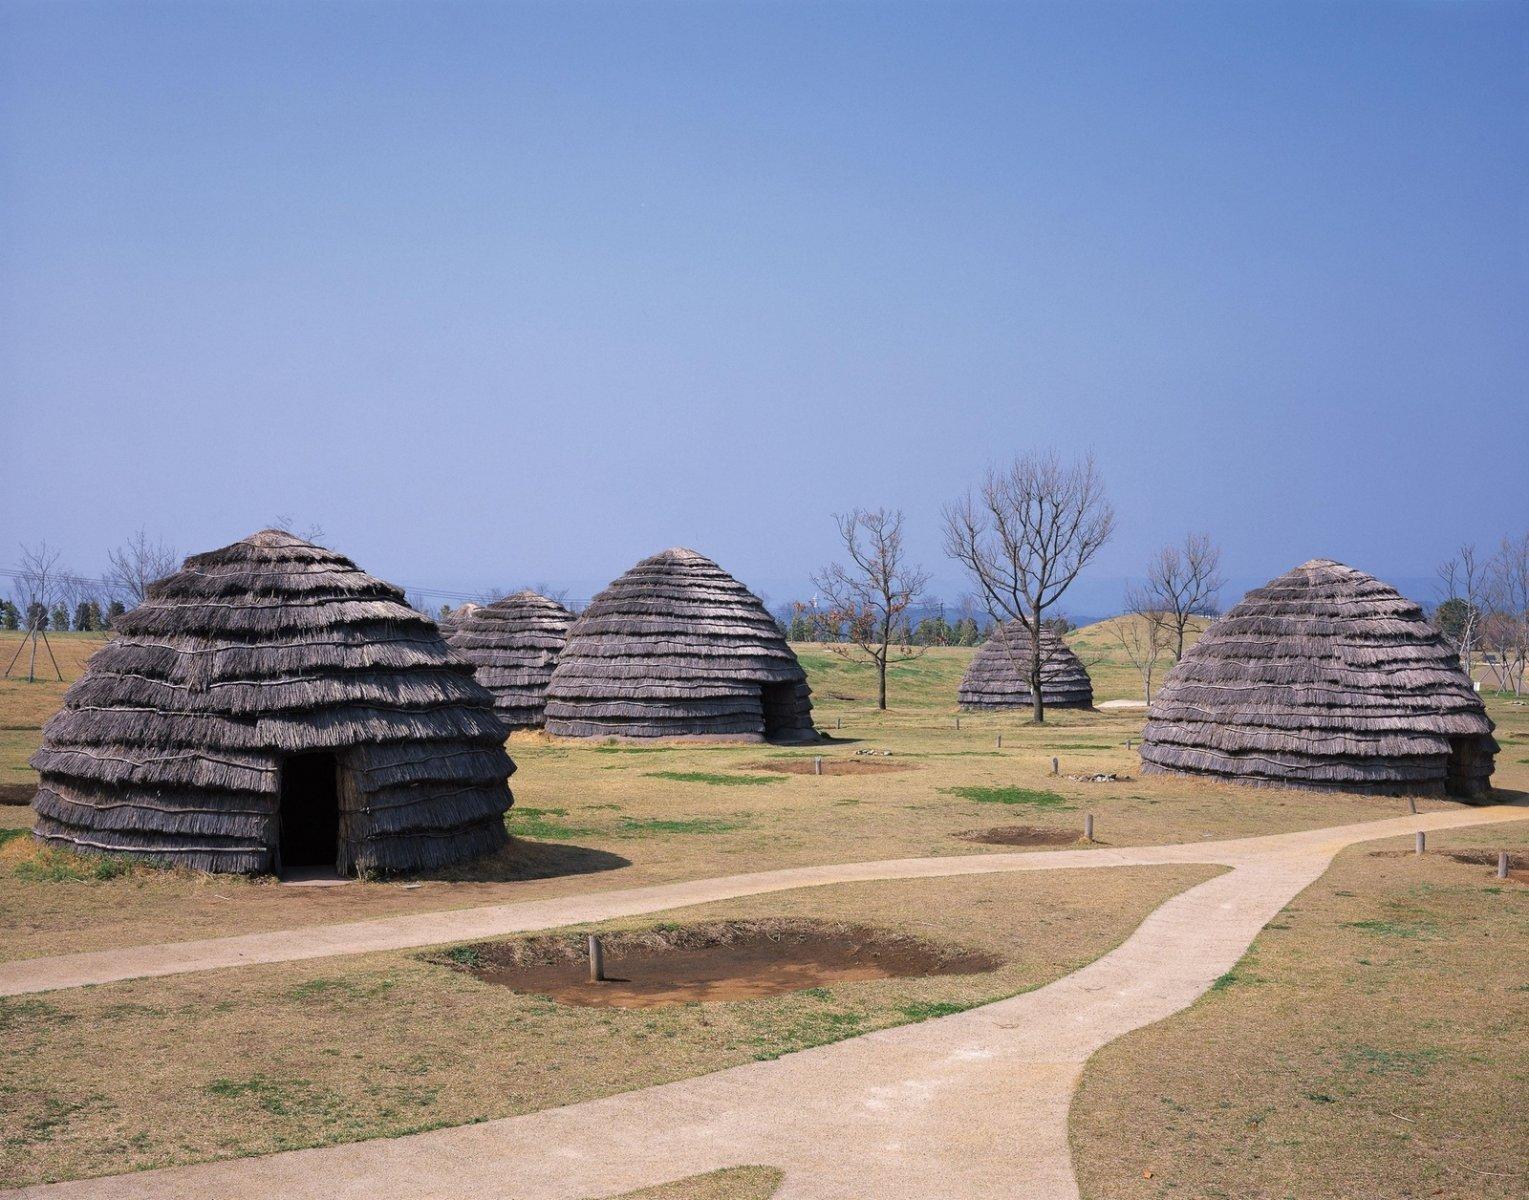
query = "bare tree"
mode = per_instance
[
  {"x": 1023, "y": 536},
  {"x": 311, "y": 532},
  {"x": 135, "y": 564},
  {"x": 1183, "y": 583},
  {"x": 1505, "y": 628},
  {"x": 1462, "y": 584},
  {"x": 1143, "y": 632},
  {"x": 41, "y": 586},
  {"x": 871, "y": 593}
]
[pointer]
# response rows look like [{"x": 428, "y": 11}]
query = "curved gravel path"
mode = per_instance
[{"x": 966, "y": 1107}]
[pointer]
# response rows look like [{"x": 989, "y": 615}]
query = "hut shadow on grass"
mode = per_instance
[{"x": 525, "y": 859}]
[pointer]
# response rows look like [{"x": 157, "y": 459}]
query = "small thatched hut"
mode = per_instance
[
  {"x": 513, "y": 645},
  {"x": 1324, "y": 678},
  {"x": 452, "y": 618},
  {"x": 270, "y": 706},
  {"x": 999, "y": 674},
  {"x": 678, "y": 648}
]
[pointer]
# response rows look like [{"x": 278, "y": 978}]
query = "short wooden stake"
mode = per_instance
[
  {"x": 1056, "y": 767},
  {"x": 1422, "y": 841},
  {"x": 1412, "y": 804},
  {"x": 840, "y": 725},
  {"x": 1088, "y": 827},
  {"x": 596, "y": 960},
  {"x": 817, "y": 766},
  {"x": 958, "y": 722},
  {"x": 1000, "y": 741},
  {"x": 1502, "y": 864}
]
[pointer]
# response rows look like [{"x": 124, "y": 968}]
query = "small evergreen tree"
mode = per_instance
[
  {"x": 114, "y": 610},
  {"x": 10, "y": 615},
  {"x": 87, "y": 616},
  {"x": 59, "y": 618},
  {"x": 37, "y": 615}
]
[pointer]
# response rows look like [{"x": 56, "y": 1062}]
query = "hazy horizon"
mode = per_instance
[{"x": 514, "y": 294}]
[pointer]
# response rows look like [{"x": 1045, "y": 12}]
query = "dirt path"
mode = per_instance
[
  {"x": 967, "y": 1106},
  {"x": 457, "y": 925}
]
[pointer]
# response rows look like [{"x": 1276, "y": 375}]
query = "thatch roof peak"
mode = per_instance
[
  {"x": 513, "y": 644},
  {"x": 682, "y": 554},
  {"x": 271, "y": 538},
  {"x": 1324, "y": 677}
]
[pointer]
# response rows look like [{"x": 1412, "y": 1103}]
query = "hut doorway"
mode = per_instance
[
  {"x": 309, "y": 814},
  {"x": 778, "y": 703}
]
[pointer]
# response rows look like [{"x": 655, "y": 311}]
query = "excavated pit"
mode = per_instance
[
  {"x": 716, "y": 961},
  {"x": 833, "y": 766},
  {"x": 1020, "y": 835}
]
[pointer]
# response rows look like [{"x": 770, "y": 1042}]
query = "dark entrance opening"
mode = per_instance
[
  {"x": 778, "y": 701},
  {"x": 310, "y": 813}
]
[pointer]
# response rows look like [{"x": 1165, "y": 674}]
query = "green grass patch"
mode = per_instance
[
  {"x": 1029, "y": 797},
  {"x": 60, "y": 866},
  {"x": 545, "y": 823},
  {"x": 642, "y": 826},
  {"x": 714, "y": 778},
  {"x": 7, "y": 834},
  {"x": 1396, "y": 929},
  {"x": 924, "y": 1010}
]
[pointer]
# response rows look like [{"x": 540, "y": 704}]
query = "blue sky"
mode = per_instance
[{"x": 522, "y": 293}]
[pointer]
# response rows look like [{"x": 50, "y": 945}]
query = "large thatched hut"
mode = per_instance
[
  {"x": 268, "y": 707},
  {"x": 1324, "y": 678},
  {"x": 513, "y": 645},
  {"x": 678, "y": 648},
  {"x": 999, "y": 674}
]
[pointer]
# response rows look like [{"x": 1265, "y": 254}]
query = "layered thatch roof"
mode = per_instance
[
  {"x": 513, "y": 645},
  {"x": 999, "y": 674},
  {"x": 678, "y": 648},
  {"x": 1323, "y": 678},
  {"x": 172, "y": 744},
  {"x": 449, "y": 621}
]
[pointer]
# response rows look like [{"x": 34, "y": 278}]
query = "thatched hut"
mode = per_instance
[
  {"x": 513, "y": 645},
  {"x": 449, "y": 620},
  {"x": 999, "y": 674},
  {"x": 1324, "y": 678},
  {"x": 678, "y": 648},
  {"x": 270, "y": 706}
]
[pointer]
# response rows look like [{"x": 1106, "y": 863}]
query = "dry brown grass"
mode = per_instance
[
  {"x": 735, "y": 1183},
  {"x": 1370, "y": 1044},
  {"x": 152, "y": 1072},
  {"x": 680, "y": 811}
]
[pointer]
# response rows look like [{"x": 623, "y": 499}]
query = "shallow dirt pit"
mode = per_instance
[
  {"x": 1020, "y": 835},
  {"x": 834, "y": 766},
  {"x": 17, "y": 793},
  {"x": 725, "y": 960}
]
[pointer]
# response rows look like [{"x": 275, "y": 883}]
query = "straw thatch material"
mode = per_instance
[
  {"x": 513, "y": 645},
  {"x": 1324, "y": 678},
  {"x": 678, "y": 648},
  {"x": 451, "y": 620},
  {"x": 999, "y": 674},
  {"x": 171, "y": 746}
]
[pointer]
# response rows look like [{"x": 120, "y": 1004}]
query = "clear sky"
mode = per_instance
[{"x": 511, "y": 293}]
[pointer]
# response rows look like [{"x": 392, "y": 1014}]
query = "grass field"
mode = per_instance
[{"x": 1385, "y": 958}]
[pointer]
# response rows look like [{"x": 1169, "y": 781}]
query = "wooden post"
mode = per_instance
[
  {"x": 1056, "y": 767},
  {"x": 817, "y": 765},
  {"x": 1422, "y": 841},
  {"x": 596, "y": 960},
  {"x": 1412, "y": 804},
  {"x": 1502, "y": 864},
  {"x": 958, "y": 721},
  {"x": 840, "y": 725},
  {"x": 1088, "y": 827},
  {"x": 1000, "y": 741}
]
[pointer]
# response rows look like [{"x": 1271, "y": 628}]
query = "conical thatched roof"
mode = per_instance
[
  {"x": 999, "y": 675},
  {"x": 451, "y": 620},
  {"x": 678, "y": 648},
  {"x": 1323, "y": 678},
  {"x": 513, "y": 645},
  {"x": 201, "y": 735}
]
